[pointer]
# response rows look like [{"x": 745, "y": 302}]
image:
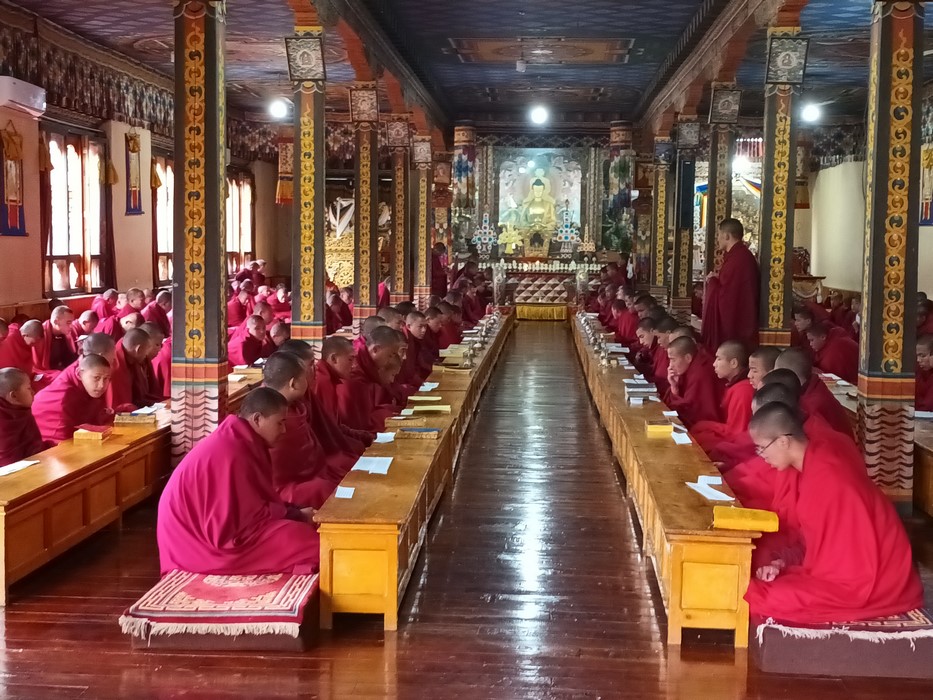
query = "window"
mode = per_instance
[
  {"x": 163, "y": 221},
  {"x": 239, "y": 222},
  {"x": 72, "y": 261}
]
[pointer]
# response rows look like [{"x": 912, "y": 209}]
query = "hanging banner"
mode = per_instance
[
  {"x": 134, "y": 197},
  {"x": 12, "y": 215},
  {"x": 284, "y": 190}
]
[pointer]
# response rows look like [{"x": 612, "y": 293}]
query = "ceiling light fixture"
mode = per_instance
[
  {"x": 278, "y": 109},
  {"x": 539, "y": 115},
  {"x": 520, "y": 65},
  {"x": 811, "y": 113}
]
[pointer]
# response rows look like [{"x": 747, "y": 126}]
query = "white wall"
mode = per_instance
[{"x": 837, "y": 209}]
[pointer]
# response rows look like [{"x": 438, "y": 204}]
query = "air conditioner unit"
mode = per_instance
[{"x": 22, "y": 96}]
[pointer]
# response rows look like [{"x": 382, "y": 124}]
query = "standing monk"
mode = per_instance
[{"x": 731, "y": 297}]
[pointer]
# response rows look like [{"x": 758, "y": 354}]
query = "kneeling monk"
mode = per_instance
[
  {"x": 219, "y": 513},
  {"x": 855, "y": 561},
  {"x": 77, "y": 396},
  {"x": 19, "y": 434}
]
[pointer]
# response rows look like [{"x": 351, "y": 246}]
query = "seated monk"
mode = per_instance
[
  {"x": 418, "y": 363},
  {"x": 156, "y": 390},
  {"x": 660, "y": 362},
  {"x": 85, "y": 325},
  {"x": 924, "y": 386},
  {"x": 343, "y": 307},
  {"x": 392, "y": 317},
  {"x": 405, "y": 308},
  {"x": 924, "y": 317},
  {"x": 472, "y": 306},
  {"x": 129, "y": 377},
  {"x": 75, "y": 397},
  {"x": 116, "y": 326},
  {"x": 279, "y": 333},
  {"x": 105, "y": 304},
  {"x": 607, "y": 295},
  {"x": 219, "y": 513},
  {"x": 731, "y": 366},
  {"x": 854, "y": 560},
  {"x": 452, "y": 328},
  {"x": 643, "y": 305},
  {"x": 816, "y": 398},
  {"x": 623, "y": 322},
  {"x": 19, "y": 433},
  {"x": 280, "y": 303},
  {"x": 332, "y": 322},
  {"x": 240, "y": 307},
  {"x": 834, "y": 352},
  {"x": 760, "y": 362},
  {"x": 384, "y": 293},
  {"x": 264, "y": 311},
  {"x": 647, "y": 344},
  {"x": 302, "y": 473},
  {"x": 57, "y": 349},
  {"x": 17, "y": 345},
  {"x": 363, "y": 400},
  {"x": 135, "y": 303},
  {"x": 158, "y": 312},
  {"x": 431, "y": 343},
  {"x": 245, "y": 345},
  {"x": 840, "y": 314},
  {"x": 100, "y": 344},
  {"x": 694, "y": 390},
  {"x": 162, "y": 368}
]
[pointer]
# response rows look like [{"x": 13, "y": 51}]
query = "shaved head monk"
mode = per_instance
[
  {"x": 834, "y": 352},
  {"x": 105, "y": 304},
  {"x": 76, "y": 396},
  {"x": 854, "y": 560},
  {"x": 279, "y": 333},
  {"x": 816, "y": 397},
  {"x": 16, "y": 348},
  {"x": 367, "y": 326},
  {"x": 135, "y": 302},
  {"x": 157, "y": 389},
  {"x": 245, "y": 345},
  {"x": 731, "y": 367},
  {"x": 219, "y": 513},
  {"x": 131, "y": 320},
  {"x": 760, "y": 363},
  {"x": 129, "y": 382},
  {"x": 392, "y": 317},
  {"x": 363, "y": 402},
  {"x": 100, "y": 344},
  {"x": 924, "y": 386},
  {"x": 452, "y": 328},
  {"x": 85, "y": 324},
  {"x": 158, "y": 312},
  {"x": 623, "y": 322},
  {"x": 57, "y": 349},
  {"x": 418, "y": 361},
  {"x": 19, "y": 433},
  {"x": 730, "y": 306},
  {"x": 694, "y": 390}
]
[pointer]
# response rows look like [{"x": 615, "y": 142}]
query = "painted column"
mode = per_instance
[
  {"x": 643, "y": 212},
  {"x": 621, "y": 183},
  {"x": 889, "y": 281},
  {"x": 681, "y": 287},
  {"x": 399, "y": 137},
  {"x": 464, "y": 169},
  {"x": 785, "y": 70},
  {"x": 719, "y": 192},
  {"x": 663, "y": 191},
  {"x": 306, "y": 69},
  {"x": 421, "y": 214},
  {"x": 364, "y": 111},
  {"x": 199, "y": 329}
]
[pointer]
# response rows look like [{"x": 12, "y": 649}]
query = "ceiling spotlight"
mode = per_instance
[
  {"x": 521, "y": 65},
  {"x": 811, "y": 113},
  {"x": 741, "y": 165},
  {"x": 278, "y": 109},
  {"x": 531, "y": 164},
  {"x": 539, "y": 115}
]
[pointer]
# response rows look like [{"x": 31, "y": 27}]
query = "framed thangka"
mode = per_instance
[
  {"x": 134, "y": 196},
  {"x": 926, "y": 186},
  {"x": 12, "y": 215}
]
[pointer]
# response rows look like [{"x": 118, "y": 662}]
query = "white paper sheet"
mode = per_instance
[
  {"x": 708, "y": 492},
  {"x": 681, "y": 438},
  {"x": 636, "y": 401},
  {"x": 373, "y": 465},
  {"x": 17, "y": 466},
  {"x": 407, "y": 412},
  {"x": 831, "y": 377},
  {"x": 236, "y": 378},
  {"x": 424, "y": 399},
  {"x": 144, "y": 411},
  {"x": 384, "y": 438},
  {"x": 709, "y": 480},
  {"x": 429, "y": 386},
  {"x": 670, "y": 414},
  {"x": 923, "y": 415},
  {"x": 654, "y": 398},
  {"x": 681, "y": 428},
  {"x": 344, "y": 492},
  {"x": 240, "y": 368}
]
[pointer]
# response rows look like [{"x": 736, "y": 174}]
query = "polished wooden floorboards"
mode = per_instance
[{"x": 532, "y": 585}]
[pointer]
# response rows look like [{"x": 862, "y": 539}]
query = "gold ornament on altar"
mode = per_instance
[{"x": 509, "y": 239}]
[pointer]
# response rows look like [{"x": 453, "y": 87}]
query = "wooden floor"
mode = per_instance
[{"x": 532, "y": 585}]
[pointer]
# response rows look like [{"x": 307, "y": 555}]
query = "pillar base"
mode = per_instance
[
  {"x": 886, "y": 433},
  {"x": 681, "y": 303},
  {"x": 360, "y": 314},
  {"x": 778, "y": 338},
  {"x": 199, "y": 403},
  {"x": 312, "y": 333},
  {"x": 396, "y": 299},
  {"x": 658, "y": 292},
  {"x": 422, "y": 294}
]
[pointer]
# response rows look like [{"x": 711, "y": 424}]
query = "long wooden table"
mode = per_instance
[
  {"x": 370, "y": 542},
  {"x": 702, "y": 573}
]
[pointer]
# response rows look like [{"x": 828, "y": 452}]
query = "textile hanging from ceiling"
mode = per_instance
[
  {"x": 134, "y": 199},
  {"x": 285, "y": 188},
  {"x": 12, "y": 216}
]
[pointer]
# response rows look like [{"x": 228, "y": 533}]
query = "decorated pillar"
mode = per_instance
[
  {"x": 681, "y": 287},
  {"x": 364, "y": 111},
  {"x": 199, "y": 328},
  {"x": 724, "y": 114},
  {"x": 643, "y": 212},
  {"x": 663, "y": 191},
  {"x": 421, "y": 214},
  {"x": 464, "y": 169},
  {"x": 442, "y": 198},
  {"x": 306, "y": 70},
  {"x": 621, "y": 183},
  {"x": 398, "y": 132},
  {"x": 889, "y": 279},
  {"x": 787, "y": 59}
]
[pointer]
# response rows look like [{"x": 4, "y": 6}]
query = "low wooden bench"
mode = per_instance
[
  {"x": 76, "y": 489},
  {"x": 370, "y": 542},
  {"x": 702, "y": 573}
]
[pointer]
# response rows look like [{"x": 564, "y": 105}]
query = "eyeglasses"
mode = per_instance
[{"x": 761, "y": 450}]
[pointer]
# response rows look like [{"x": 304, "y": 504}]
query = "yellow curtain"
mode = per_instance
[{"x": 541, "y": 312}]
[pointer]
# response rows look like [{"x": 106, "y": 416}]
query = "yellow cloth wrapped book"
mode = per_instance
[
  {"x": 659, "y": 428},
  {"x": 726, "y": 518}
]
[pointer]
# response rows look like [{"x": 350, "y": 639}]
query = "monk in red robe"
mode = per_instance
[
  {"x": 624, "y": 322},
  {"x": 162, "y": 367},
  {"x": 660, "y": 360},
  {"x": 816, "y": 397},
  {"x": 343, "y": 306},
  {"x": 439, "y": 269},
  {"x": 646, "y": 344},
  {"x": 731, "y": 297},
  {"x": 452, "y": 328},
  {"x": 418, "y": 362},
  {"x": 363, "y": 400},
  {"x": 384, "y": 293},
  {"x": 19, "y": 433},
  {"x": 16, "y": 349},
  {"x": 105, "y": 304},
  {"x": 834, "y": 352},
  {"x": 393, "y": 319},
  {"x": 100, "y": 344},
  {"x": 924, "y": 317},
  {"x": 760, "y": 362},
  {"x": 280, "y": 303},
  {"x": 57, "y": 349},
  {"x": 219, "y": 513},
  {"x": 694, "y": 391},
  {"x": 240, "y": 307},
  {"x": 435, "y": 322},
  {"x": 839, "y": 313},
  {"x": 854, "y": 560},
  {"x": 85, "y": 324},
  {"x": 155, "y": 384},
  {"x": 731, "y": 367},
  {"x": 245, "y": 345},
  {"x": 129, "y": 380},
  {"x": 77, "y": 396},
  {"x": 135, "y": 303},
  {"x": 158, "y": 312},
  {"x": 924, "y": 386}
]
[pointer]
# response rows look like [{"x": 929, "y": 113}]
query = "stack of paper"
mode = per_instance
[
  {"x": 17, "y": 466},
  {"x": 373, "y": 465},
  {"x": 344, "y": 492},
  {"x": 429, "y": 386},
  {"x": 235, "y": 378},
  {"x": 923, "y": 415},
  {"x": 384, "y": 438},
  {"x": 431, "y": 408},
  {"x": 425, "y": 399},
  {"x": 704, "y": 486}
]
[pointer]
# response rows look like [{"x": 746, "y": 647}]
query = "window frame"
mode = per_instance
[
  {"x": 167, "y": 159},
  {"x": 238, "y": 260}
]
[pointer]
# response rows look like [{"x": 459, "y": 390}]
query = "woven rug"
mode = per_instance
[
  {"x": 206, "y": 604},
  {"x": 916, "y": 624}
]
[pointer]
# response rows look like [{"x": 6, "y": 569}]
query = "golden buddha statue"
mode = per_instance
[{"x": 538, "y": 210}]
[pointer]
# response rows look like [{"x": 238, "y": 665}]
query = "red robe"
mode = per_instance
[
  {"x": 926, "y": 328},
  {"x": 103, "y": 309},
  {"x": 431, "y": 347},
  {"x": 412, "y": 374},
  {"x": 924, "y": 390},
  {"x": 281, "y": 309},
  {"x": 626, "y": 323},
  {"x": 331, "y": 321},
  {"x": 660, "y": 364},
  {"x": 818, "y": 399},
  {"x": 238, "y": 312},
  {"x": 153, "y": 313},
  {"x": 839, "y": 356},
  {"x": 730, "y": 308},
  {"x": 219, "y": 513},
  {"x": 843, "y": 317},
  {"x": 736, "y": 409},
  {"x": 65, "y": 404},
  {"x": 857, "y": 562},
  {"x": 343, "y": 311},
  {"x": 700, "y": 392},
  {"x": 363, "y": 401},
  {"x": 42, "y": 355},
  {"x": 438, "y": 276},
  {"x": 325, "y": 410},
  {"x": 14, "y": 352},
  {"x": 242, "y": 348},
  {"x": 383, "y": 298},
  {"x": 473, "y": 310},
  {"x": 129, "y": 383},
  {"x": 162, "y": 369},
  {"x": 451, "y": 334},
  {"x": 19, "y": 434}
]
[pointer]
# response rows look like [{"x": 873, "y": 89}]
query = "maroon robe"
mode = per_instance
[
  {"x": 438, "y": 276},
  {"x": 839, "y": 356},
  {"x": 383, "y": 298},
  {"x": 331, "y": 321},
  {"x": 699, "y": 394},
  {"x": 412, "y": 374},
  {"x": 660, "y": 364},
  {"x": 162, "y": 368},
  {"x": 242, "y": 348},
  {"x": 818, "y": 399},
  {"x": 431, "y": 348},
  {"x": 856, "y": 558},
  {"x": 54, "y": 352},
  {"x": 65, "y": 404},
  {"x": 626, "y": 323},
  {"x": 343, "y": 311},
  {"x": 730, "y": 308},
  {"x": 326, "y": 408},
  {"x": 281, "y": 309},
  {"x": 473, "y": 310},
  {"x": 843, "y": 317},
  {"x": 736, "y": 410},
  {"x": 14, "y": 352},
  {"x": 219, "y": 513},
  {"x": 237, "y": 312},
  {"x": 363, "y": 400},
  {"x": 19, "y": 434},
  {"x": 129, "y": 383},
  {"x": 154, "y": 313},
  {"x": 926, "y": 328},
  {"x": 924, "y": 390},
  {"x": 103, "y": 309},
  {"x": 451, "y": 334}
]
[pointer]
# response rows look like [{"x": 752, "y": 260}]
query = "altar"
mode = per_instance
[{"x": 542, "y": 290}]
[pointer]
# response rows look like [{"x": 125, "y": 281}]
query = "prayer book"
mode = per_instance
[
  {"x": 436, "y": 408},
  {"x": 17, "y": 466},
  {"x": 384, "y": 438},
  {"x": 235, "y": 378},
  {"x": 424, "y": 399},
  {"x": 704, "y": 487},
  {"x": 240, "y": 368},
  {"x": 730, "y": 518},
  {"x": 429, "y": 386},
  {"x": 669, "y": 414},
  {"x": 92, "y": 433},
  {"x": 680, "y": 438},
  {"x": 659, "y": 427},
  {"x": 418, "y": 434},
  {"x": 407, "y": 412},
  {"x": 136, "y": 418},
  {"x": 923, "y": 415}
]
